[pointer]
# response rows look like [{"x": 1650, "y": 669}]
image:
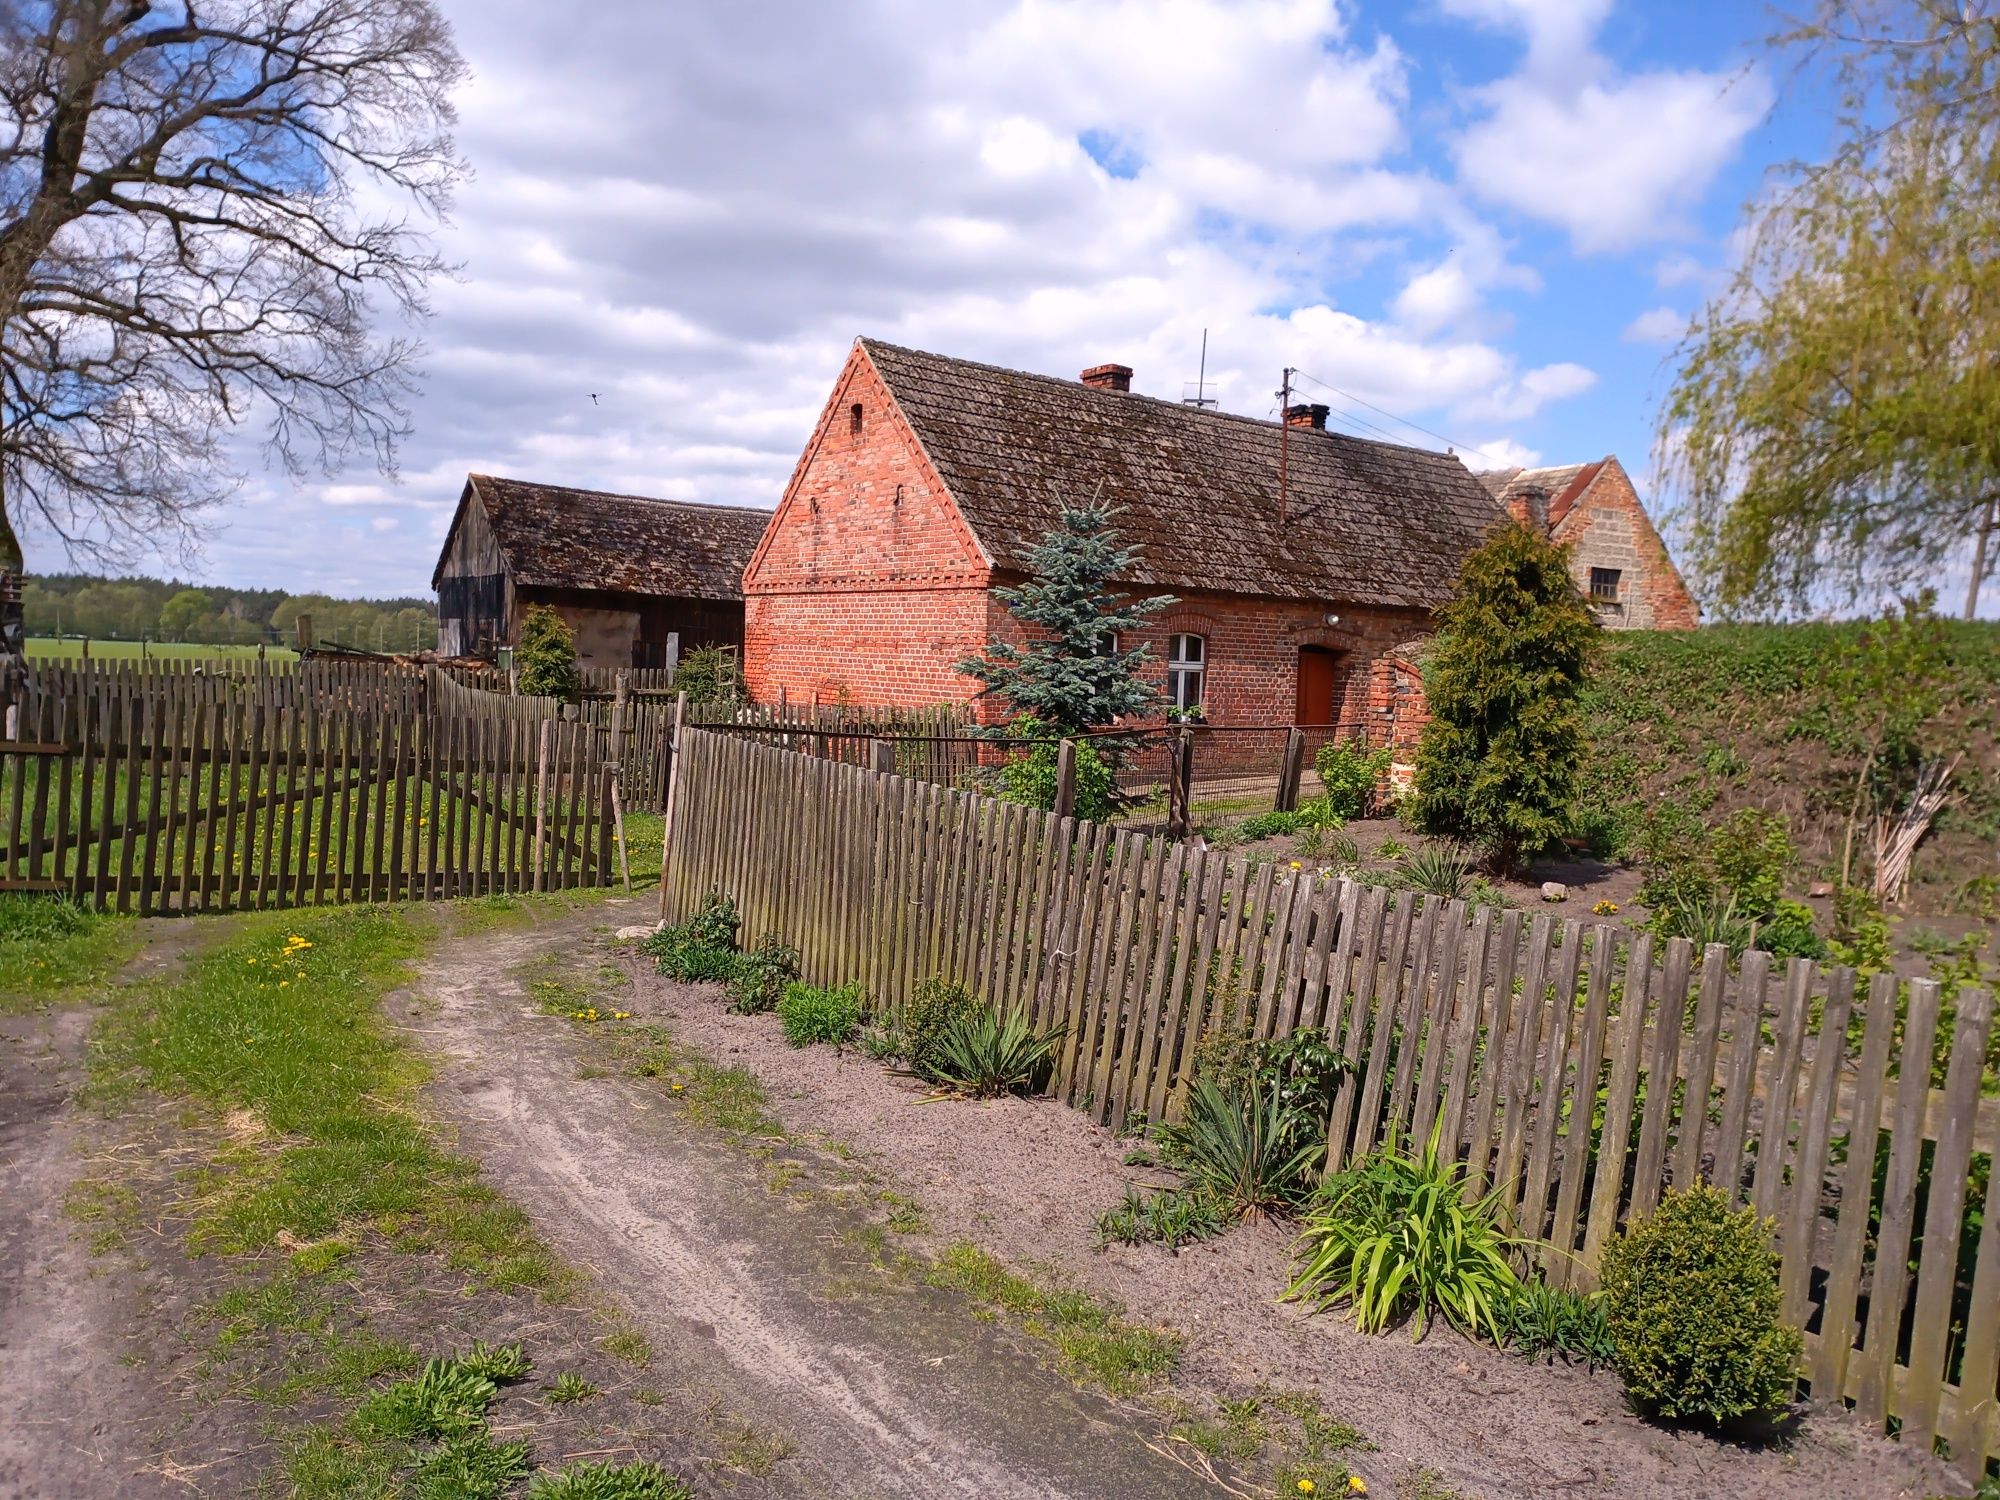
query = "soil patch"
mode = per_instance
[{"x": 1026, "y": 1178}]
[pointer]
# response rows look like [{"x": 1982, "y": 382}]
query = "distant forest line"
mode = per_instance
[{"x": 155, "y": 609}]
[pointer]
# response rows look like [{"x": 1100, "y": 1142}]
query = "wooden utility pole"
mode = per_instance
[
  {"x": 1284, "y": 446},
  {"x": 1065, "y": 779}
]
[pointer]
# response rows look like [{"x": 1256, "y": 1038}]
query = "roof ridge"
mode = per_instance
[
  {"x": 574, "y": 489},
  {"x": 1217, "y": 414}
]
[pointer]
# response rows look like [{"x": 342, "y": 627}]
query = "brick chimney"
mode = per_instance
[
  {"x": 1529, "y": 506},
  {"x": 1108, "y": 377},
  {"x": 1307, "y": 416}
]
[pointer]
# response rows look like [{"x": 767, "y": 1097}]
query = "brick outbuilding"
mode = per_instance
[
  {"x": 928, "y": 479},
  {"x": 1616, "y": 556}
]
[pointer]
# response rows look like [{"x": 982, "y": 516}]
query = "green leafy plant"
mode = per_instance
[
  {"x": 1438, "y": 869},
  {"x": 469, "y": 1466},
  {"x": 501, "y": 1365},
  {"x": 545, "y": 659},
  {"x": 609, "y": 1481},
  {"x": 760, "y": 976},
  {"x": 445, "y": 1399},
  {"x": 1269, "y": 825},
  {"x": 1397, "y": 1233},
  {"x": 1333, "y": 845},
  {"x": 915, "y": 1033},
  {"x": 701, "y": 948},
  {"x": 810, "y": 1014},
  {"x": 1789, "y": 932},
  {"x": 1349, "y": 773},
  {"x": 711, "y": 675},
  {"x": 1245, "y": 1147},
  {"x": 1030, "y": 775},
  {"x": 1691, "y": 1302},
  {"x": 1171, "y": 1217},
  {"x": 1706, "y": 920},
  {"x": 1752, "y": 849},
  {"x": 983, "y": 1053},
  {"x": 569, "y": 1388},
  {"x": 1860, "y": 931},
  {"x": 1539, "y": 1321}
]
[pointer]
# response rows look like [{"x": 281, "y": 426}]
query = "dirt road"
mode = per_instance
[{"x": 761, "y": 1278}]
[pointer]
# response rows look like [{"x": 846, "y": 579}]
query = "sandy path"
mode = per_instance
[
  {"x": 84, "y": 1407},
  {"x": 886, "y": 1388}
]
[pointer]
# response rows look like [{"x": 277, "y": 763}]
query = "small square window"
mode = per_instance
[{"x": 1604, "y": 584}]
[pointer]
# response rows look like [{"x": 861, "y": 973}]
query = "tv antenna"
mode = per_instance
[{"x": 1201, "y": 398}]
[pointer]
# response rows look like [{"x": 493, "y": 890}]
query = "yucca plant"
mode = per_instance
[
  {"x": 1396, "y": 1233},
  {"x": 982, "y": 1053},
  {"x": 1246, "y": 1147},
  {"x": 1438, "y": 869}
]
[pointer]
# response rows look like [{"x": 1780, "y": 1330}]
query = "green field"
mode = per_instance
[{"x": 47, "y": 648}]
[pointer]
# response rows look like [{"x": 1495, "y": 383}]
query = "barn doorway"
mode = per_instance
[{"x": 1319, "y": 686}]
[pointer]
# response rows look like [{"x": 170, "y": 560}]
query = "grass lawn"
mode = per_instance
[
  {"x": 49, "y": 648},
  {"x": 53, "y": 953}
]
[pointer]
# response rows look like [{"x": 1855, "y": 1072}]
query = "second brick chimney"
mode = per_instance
[
  {"x": 1108, "y": 377},
  {"x": 1307, "y": 416}
]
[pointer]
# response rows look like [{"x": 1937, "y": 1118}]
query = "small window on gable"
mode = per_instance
[
  {"x": 854, "y": 420},
  {"x": 1604, "y": 585},
  {"x": 1187, "y": 671}
]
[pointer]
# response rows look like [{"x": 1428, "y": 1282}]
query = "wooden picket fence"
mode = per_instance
[
  {"x": 1580, "y": 1068},
  {"x": 163, "y": 802}
]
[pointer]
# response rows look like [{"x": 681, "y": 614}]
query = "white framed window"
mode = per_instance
[{"x": 1187, "y": 671}]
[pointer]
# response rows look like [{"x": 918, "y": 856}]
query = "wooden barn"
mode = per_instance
[{"x": 633, "y": 576}]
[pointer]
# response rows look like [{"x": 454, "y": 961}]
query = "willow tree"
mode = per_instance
[
  {"x": 208, "y": 211},
  {"x": 1834, "y": 428}
]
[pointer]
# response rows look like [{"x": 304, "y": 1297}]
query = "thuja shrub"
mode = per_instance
[
  {"x": 546, "y": 656},
  {"x": 919, "y": 1032},
  {"x": 1691, "y": 1304}
]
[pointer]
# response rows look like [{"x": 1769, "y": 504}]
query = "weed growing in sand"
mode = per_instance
[
  {"x": 609, "y": 1481},
  {"x": 731, "y": 1099},
  {"x": 810, "y": 1014},
  {"x": 629, "y": 1345},
  {"x": 568, "y": 1388},
  {"x": 1094, "y": 1345},
  {"x": 1170, "y": 1216}
]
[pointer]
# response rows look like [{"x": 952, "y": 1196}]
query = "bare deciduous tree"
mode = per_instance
[{"x": 207, "y": 210}]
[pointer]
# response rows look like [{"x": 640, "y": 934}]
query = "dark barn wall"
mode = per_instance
[
  {"x": 632, "y": 630},
  {"x": 473, "y": 591}
]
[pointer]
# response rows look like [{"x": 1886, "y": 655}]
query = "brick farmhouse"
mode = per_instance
[
  {"x": 634, "y": 578},
  {"x": 928, "y": 479},
  {"x": 1616, "y": 556}
]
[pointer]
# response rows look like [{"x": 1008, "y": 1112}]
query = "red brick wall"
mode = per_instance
[{"x": 1608, "y": 528}]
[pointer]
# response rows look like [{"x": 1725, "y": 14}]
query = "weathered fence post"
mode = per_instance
[
  {"x": 882, "y": 756},
  {"x": 1291, "y": 769},
  {"x": 673, "y": 753},
  {"x": 542, "y": 803},
  {"x": 1180, "y": 784},
  {"x": 1065, "y": 779}
]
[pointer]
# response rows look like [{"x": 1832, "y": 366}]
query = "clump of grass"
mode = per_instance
[
  {"x": 54, "y": 952},
  {"x": 810, "y": 1014},
  {"x": 568, "y": 1388},
  {"x": 1169, "y": 1217},
  {"x": 1545, "y": 1322},
  {"x": 731, "y": 1099},
  {"x": 1093, "y": 1344},
  {"x": 609, "y": 1481},
  {"x": 629, "y": 1345}
]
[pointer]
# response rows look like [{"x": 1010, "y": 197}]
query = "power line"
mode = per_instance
[{"x": 1452, "y": 443}]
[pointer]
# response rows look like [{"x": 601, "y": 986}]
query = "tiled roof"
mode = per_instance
[
  {"x": 555, "y": 537},
  {"x": 1560, "y": 485},
  {"x": 1368, "y": 523}
]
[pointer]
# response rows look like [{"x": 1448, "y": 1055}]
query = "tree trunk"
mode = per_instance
[
  {"x": 13, "y": 622},
  {"x": 1983, "y": 536}
]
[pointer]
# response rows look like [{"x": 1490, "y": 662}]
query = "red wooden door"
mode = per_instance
[{"x": 1316, "y": 685}]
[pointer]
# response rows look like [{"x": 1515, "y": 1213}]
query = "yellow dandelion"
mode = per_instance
[
  {"x": 1355, "y": 1485},
  {"x": 1306, "y": 1486},
  {"x": 1605, "y": 909}
]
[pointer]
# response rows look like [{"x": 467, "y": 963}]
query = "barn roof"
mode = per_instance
[
  {"x": 1369, "y": 522},
  {"x": 560, "y": 538},
  {"x": 1560, "y": 485}
]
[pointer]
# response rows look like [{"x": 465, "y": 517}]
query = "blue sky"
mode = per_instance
[{"x": 1490, "y": 217}]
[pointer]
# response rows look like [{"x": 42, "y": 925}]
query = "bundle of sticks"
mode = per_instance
[{"x": 1897, "y": 837}]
